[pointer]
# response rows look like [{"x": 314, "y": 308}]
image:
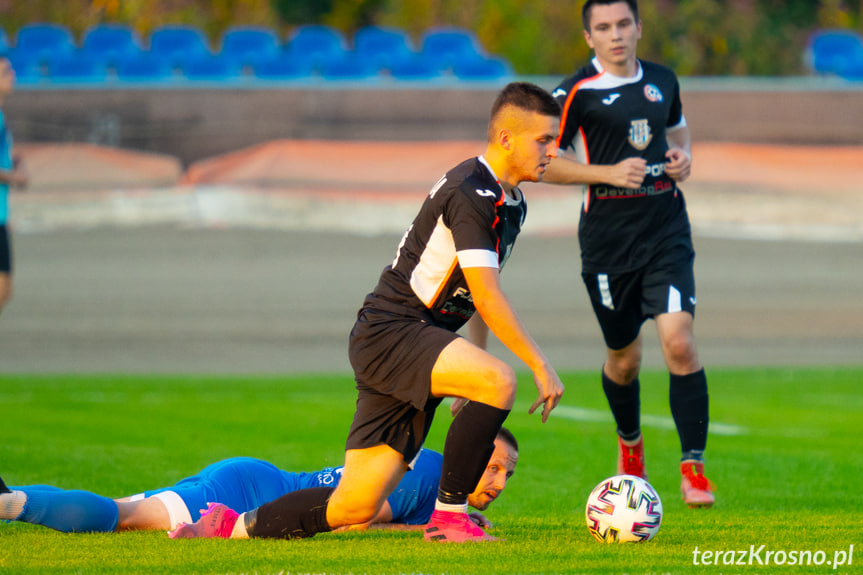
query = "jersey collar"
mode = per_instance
[
  {"x": 617, "y": 80},
  {"x": 516, "y": 192}
]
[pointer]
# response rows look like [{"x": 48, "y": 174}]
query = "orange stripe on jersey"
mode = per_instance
[
  {"x": 443, "y": 283},
  {"x": 568, "y": 103},
  {"x": 498, "y": 204}
]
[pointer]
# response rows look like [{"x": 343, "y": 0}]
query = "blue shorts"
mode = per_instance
[{"x": 241, "y": 483}]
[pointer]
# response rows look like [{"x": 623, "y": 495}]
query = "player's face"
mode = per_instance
[
  {"x": 499, "y": 469},
  {"x": 613, "y": 34},
  {"x": 535, "y": 146}
]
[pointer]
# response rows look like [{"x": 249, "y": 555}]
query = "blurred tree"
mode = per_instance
[
  {"x": 351, "y": 15},
  {"x": 302, "y": 11},
  {"x": 695, "y": 37}
]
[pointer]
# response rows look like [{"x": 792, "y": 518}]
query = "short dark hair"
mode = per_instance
[
  {"x": 508, "y": 437},
  {"x": 528, "y": 97},
  {"x": 587, "y": 9}
]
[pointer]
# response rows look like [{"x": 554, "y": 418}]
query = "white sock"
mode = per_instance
[
  {"x": 12, "y": 504},
  {"x": 451, "y": 507},
  {"x": 631, "y": 442}
]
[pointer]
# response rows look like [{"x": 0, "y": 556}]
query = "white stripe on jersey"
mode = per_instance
[
  {"x": 477, "y": 259},
  {"x": 435, "y": 264},
  {"x": 606, "y": 80}
]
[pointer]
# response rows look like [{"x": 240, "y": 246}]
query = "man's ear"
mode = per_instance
[{"x": 504, "y": 139}]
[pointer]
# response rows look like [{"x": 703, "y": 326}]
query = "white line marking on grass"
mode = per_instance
[{"x": 657, "y": 421}]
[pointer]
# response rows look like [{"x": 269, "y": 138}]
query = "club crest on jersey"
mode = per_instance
[
  {"x": 639, "y": 134},
  {"x": 652, "y": 93}
]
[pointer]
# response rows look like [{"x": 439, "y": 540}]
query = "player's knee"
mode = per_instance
[
  {"x": 680, "y": 350},
  {"x": 346, "y": 513},
  {"x": 503, "y": 387},
  {"x": 623, "y": 369},
  {"x": 5, "y": 295}
]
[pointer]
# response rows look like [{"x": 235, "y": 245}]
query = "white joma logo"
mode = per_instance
[
  {"x": 611, "y": 98},
  {"x": 486, "y": 193}
]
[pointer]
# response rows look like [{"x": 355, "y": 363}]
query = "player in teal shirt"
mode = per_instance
[{"x": 10, "y": 175}]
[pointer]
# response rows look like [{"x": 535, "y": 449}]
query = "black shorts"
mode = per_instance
[
  {"x": 5, "y": 250},
  {"x": 393, "y": 357},
  {"x": 623, "y": 301}
]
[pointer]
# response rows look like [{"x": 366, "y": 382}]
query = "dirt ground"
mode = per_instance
[
  {"x": 258, "y": 260},
  {"x": 159, "y": 299}
]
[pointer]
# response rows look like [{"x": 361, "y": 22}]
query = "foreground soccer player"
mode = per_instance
[
  {"x": 405, "y": 352},
  {"x": 623, "y": 119},
  {"x": 244, "y": 483}
]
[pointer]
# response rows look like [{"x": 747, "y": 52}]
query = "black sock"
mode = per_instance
[
  {"x": 469, "y": 445},
  {"x": 295, "y": 515},
  {"x": 625, "y": 404},
  {"x": 687, "y": 395}
]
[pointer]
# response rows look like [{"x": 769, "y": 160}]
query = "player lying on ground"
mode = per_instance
[{"x": 243, "y": 483}]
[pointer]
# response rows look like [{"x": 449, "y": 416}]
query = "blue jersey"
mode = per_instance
[
  {"x": 6, "y": 165},
  {"x": 245, "y": 483}
]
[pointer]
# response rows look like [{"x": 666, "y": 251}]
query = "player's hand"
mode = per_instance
[
  {"x": 550, "y": 391},
  {"x": 628, "y": 173},
  {"x": 480, "y": 519},
  {"x": 20, "y": 176},
  {"x": 457, "y": 405},
  {"x": 678, "y": 164}
]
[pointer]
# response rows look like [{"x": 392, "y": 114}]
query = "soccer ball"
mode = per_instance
[{"x": 623, "y": 509}]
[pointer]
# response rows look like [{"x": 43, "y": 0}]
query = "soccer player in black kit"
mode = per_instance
[
  {"x": 623, "y": 134},
  {"x": 405, "y": 352}
]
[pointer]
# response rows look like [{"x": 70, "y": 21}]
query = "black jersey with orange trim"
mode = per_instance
[
  {"x": 605, "y": 120},
  {"x": 466, "y": 221}
]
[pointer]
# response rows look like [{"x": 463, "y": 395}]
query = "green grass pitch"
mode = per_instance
[{"x": 783, "y": 452}]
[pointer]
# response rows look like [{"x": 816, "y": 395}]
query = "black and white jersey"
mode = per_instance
[
  {"x": 607, "y": 119},
  {"x": 466, "y": 221}
]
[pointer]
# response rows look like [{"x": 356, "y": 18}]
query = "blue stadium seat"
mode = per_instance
[
  {"x": 178, "y": 44},
  {"x": 249, "y": 44},
  {"x": 78, "y": 67},
  {"x": 349, "y": 67},
  {"x": 145, "y": 68},
  {"x": 214, "y": 67},
  {"x": 28, "y": 70},
  {"x": 482, "y": 69},
  {"x": 112, "y": 43},
  {"x": 43, "y": 41},
  {"x": 282, "y": 66},
  {"x": 318, "y": 44},
  {"x": 415, "y": 68},
  {"x": 385, "y": 47},
  {"x": 4, "y": 42},
  {"x": 448, "y": 45},
  {"x": 834, "y": 51}
]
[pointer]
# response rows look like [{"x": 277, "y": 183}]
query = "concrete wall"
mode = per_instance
[{"x": 194, "y": 123}]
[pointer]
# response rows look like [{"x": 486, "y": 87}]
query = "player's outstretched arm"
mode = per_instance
[
  {"x": 628, "y": 173},
  {"x": 500, "y": 317},
  {"x": 17, "y": 176}
]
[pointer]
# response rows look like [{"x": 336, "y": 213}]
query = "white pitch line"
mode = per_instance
[{"x": 657, "y": 421}]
